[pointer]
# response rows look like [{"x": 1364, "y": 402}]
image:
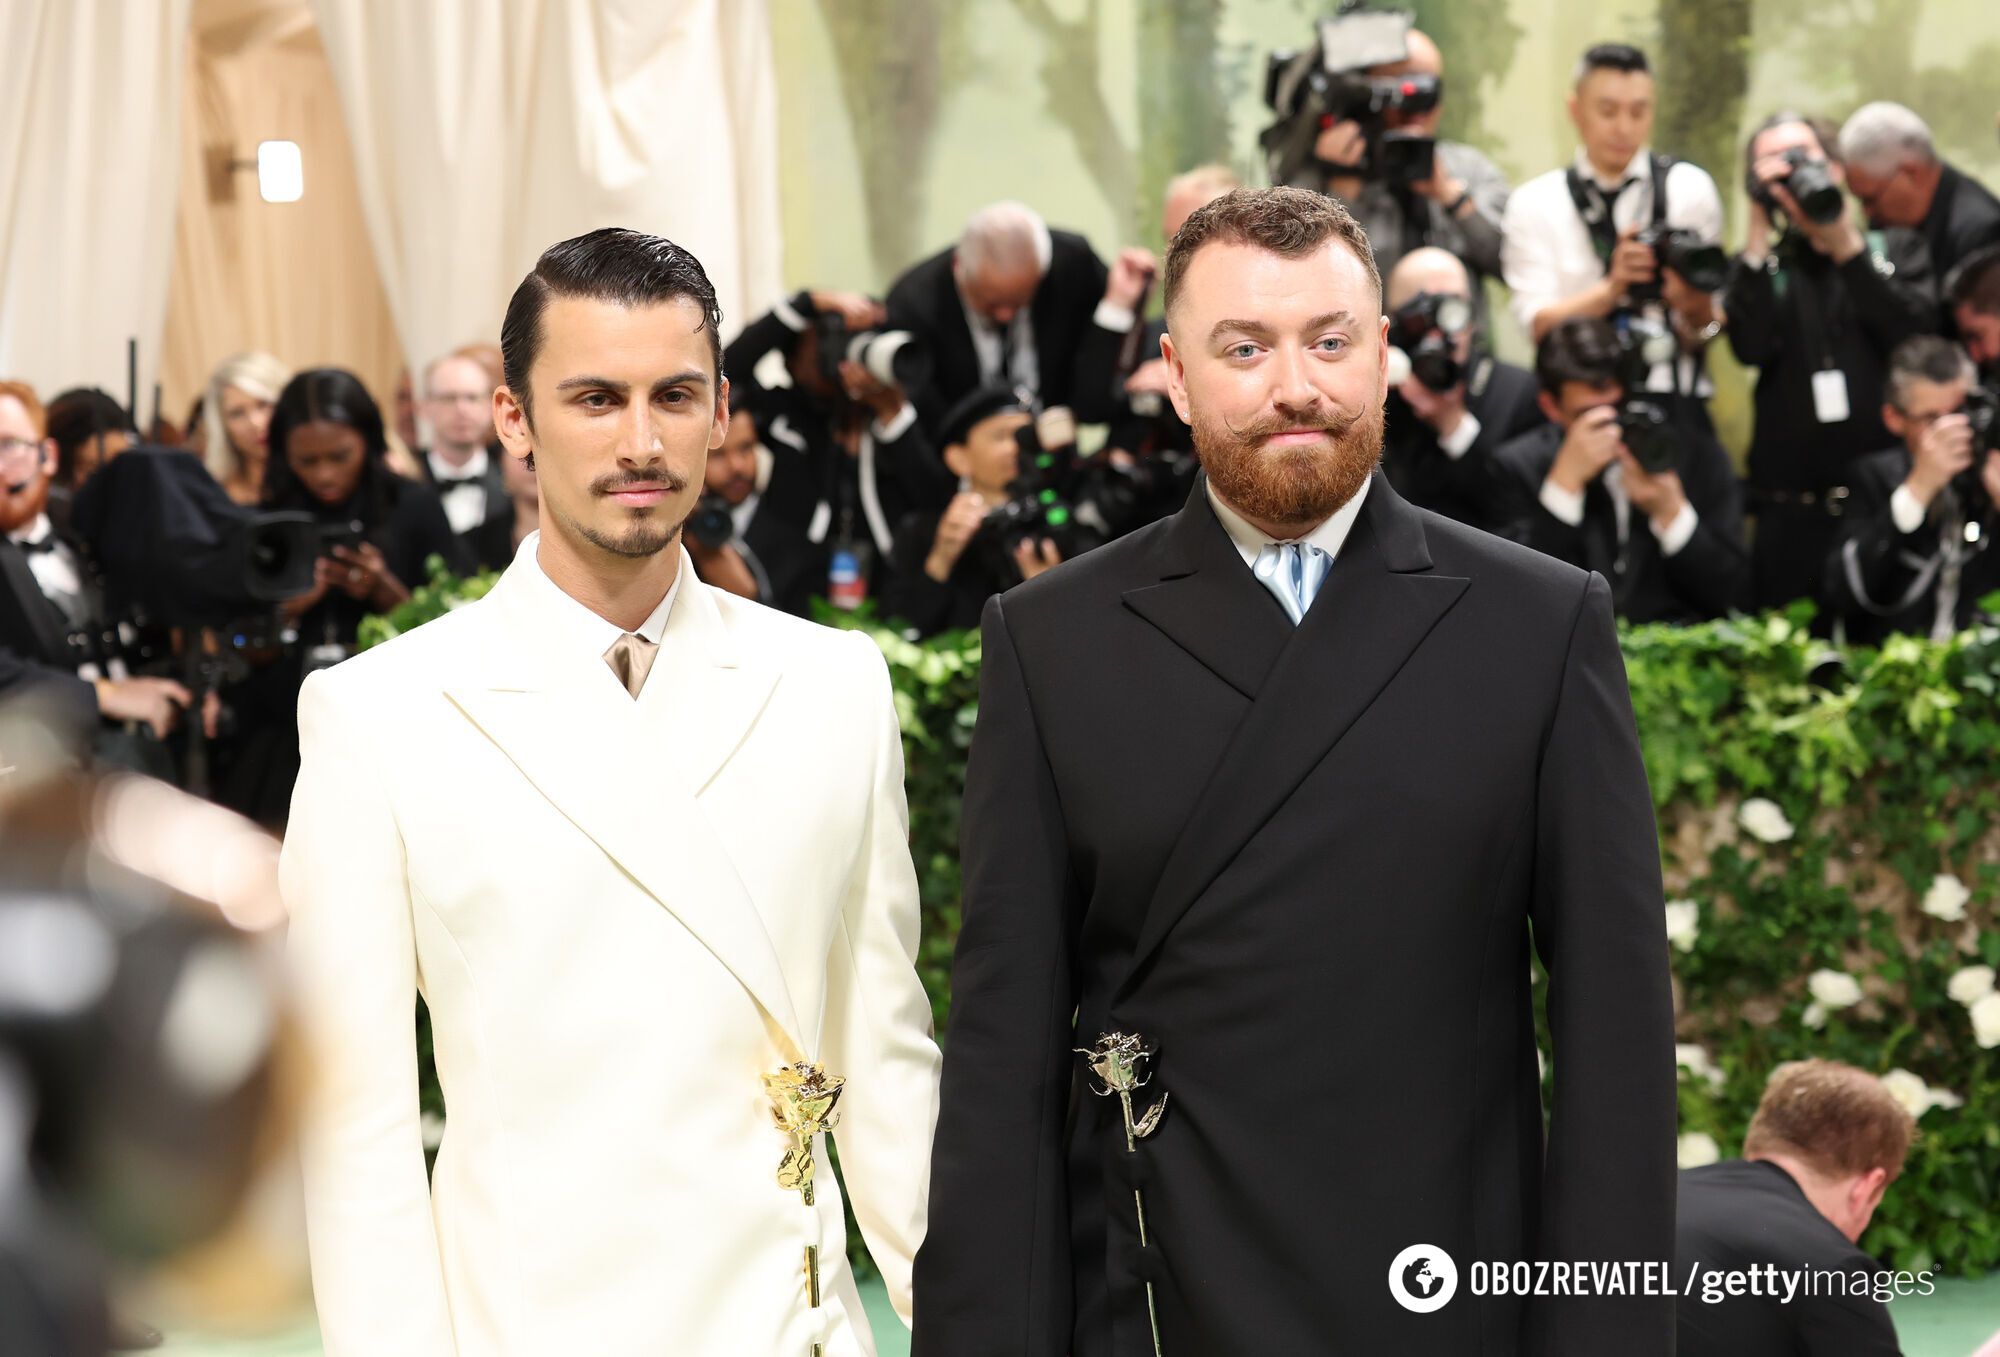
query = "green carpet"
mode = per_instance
[{"x": 1951, "y": 1323}]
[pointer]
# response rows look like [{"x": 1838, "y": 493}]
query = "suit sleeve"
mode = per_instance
[
  {"x": 1897, "y": 305},
  {"x": 1608, "y": 1178},
  {"x": 1483, "y": 227},
  {"x": 878, "y": 1021},
  {"x": 772, "y": 330},
  {"x": 377, "y": 1277},
  {"x": 1094, "y": 396},
  {"x": 1750, "y": 300},
  {"x": 994, "y": 1279},
  {"x": 1875, "y": 567},
  {"x": 1712, "y": 572}
]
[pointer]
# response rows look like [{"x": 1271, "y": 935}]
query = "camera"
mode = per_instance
[
  {"x": 1310, "y": 90},
  {"x": 1644, "y": 422},
  {"x": 711, "y": 524},
  {"x": 1704, "y": 266},
  {"x": 1982, "y": 412},
  {"x": 892, "y": 357},
  {"x": 1059, "y": 494},
  {"x": 1426, "y": 330},
  {"x": 1810, "y": 183}
]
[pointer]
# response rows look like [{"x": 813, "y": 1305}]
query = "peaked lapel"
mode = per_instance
[
  {"x": 1207, "y": 601},
  {"x": 1378, "y": 604},
  {"x": 628, "y": 773}
]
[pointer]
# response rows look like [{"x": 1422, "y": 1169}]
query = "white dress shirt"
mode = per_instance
[
  {"x": 55, "y": 570},
  {"x": 1251, "y": 540},
  {"x": 465, "y": 501},
  {"x": 1567, "y": 505},
  {"x": 582, "y": 630},
  {"x": 1548, "y": 256}
]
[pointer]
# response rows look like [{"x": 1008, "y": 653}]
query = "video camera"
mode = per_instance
[
  {"x": 1425, "y": 330},
  {"x": 1810, "y": 183},
  {"x": 1313, "y": 89},
  {"x": 892, "y": 357}
]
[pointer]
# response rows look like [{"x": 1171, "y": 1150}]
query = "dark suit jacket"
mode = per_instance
[
  {"x": 1738, "y": 1215},
  {"x": 1882, "y": 581},
  {"x": 35, "y": 661},
  {"x": 489, "y": 544},
  {"x": 1470, "y": 488},
  {"x": 1706, "y": 578},
  {"x": 1076, "y": 355},
  {"x": 1315, "y": 897},
  {"x": 1963, "y": 217}
]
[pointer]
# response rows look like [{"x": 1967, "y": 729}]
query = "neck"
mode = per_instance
[
  {"x": 1827, "y": 1198},
  {"x": 455, "y": 454},
  {"x": 1275, "y": 529},
  {"x": 623, "y": 590},
  {"x": 1613, "y": 172}
]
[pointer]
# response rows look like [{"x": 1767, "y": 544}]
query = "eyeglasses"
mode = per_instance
[{"x": 18, "y": 449}]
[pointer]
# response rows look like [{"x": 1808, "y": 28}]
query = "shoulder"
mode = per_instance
[
  {"x": 1532, "y": 452},
  {"x": 1884, "y": 469},
  {"x": 1543, "y": 194},
  {"x": 1461, "y": 157},
  {"x": 1689, "y": 188},
  {"x": 921, "y": 281},
  {"x": 1520, "y": 576},
  {"x": 1105, "y": 573},
  {"x": 1070, "y": 247},
  {"x": 769, "y": 636}
]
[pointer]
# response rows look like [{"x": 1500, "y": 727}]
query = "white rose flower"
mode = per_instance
[
  {"x": 1814, "y": 1016},
  {"x": 1764, "y": 820},
  {"x": 1946, "y": 898},
  {"x": 1915, "y": 1095},
  {"x": 1834, "y": 989},
  {"x": 1694, "y": 1059},
  {"x": 1970, "y": 984},
  {"x": 1683, "y": 924},
  {"x": 1697, "y": 1148},
  {"x": 1986, "y": 1022}
]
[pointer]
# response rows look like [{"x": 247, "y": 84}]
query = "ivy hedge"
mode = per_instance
[{"x": 1830, "y": 832}]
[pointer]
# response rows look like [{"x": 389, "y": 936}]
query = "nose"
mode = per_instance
[
  {"x": 638, "y": 440},
  {"x": 1292, "y": 389}
]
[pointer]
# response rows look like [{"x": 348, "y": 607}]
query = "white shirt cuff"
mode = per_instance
[
  {"x": 1908, "y": 514},
  {"x": 1460, "y": 440},
  {"x": 785, "y": 311},
  {"x": 1676, "y": 534},
  {"x": 897, "y": 427},
  {"x": 1566, "y": 505},
  {"x": 1111, "y": 316}
]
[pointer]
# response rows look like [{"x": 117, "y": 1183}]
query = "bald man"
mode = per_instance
[
  {"x": 1459, "y": 208},
  {"x": 1016, "y": 303},
  {"x": 1439, "y": 446}
]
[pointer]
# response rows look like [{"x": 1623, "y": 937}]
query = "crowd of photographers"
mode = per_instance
[{"x": 1004, "y": 408}]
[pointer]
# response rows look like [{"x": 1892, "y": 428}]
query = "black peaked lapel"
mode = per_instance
[
  {"x": 1208, "y": 603},
  {"x": 1378, "y": 604}
]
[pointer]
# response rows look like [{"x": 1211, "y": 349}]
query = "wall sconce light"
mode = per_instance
[{"x": 281, "y": 176}]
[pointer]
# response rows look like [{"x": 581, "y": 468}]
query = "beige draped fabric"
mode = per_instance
[
  {"x": 89, "y": 129},
  {"x": 485, "y": 130},
  {"x": 297, "y": 280}
]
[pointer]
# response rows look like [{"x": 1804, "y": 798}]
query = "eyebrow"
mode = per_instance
[
  {"x": 692, "y": 377},
  {"x": 1259, "y": 329}
]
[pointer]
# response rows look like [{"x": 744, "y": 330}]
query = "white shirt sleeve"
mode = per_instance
[
  {"x": 1693, "y": 203},
  {"x": 1904, "y": 509},
  {"x": 897, "y": 427},
  {"x": 1111, "y": 316},
  {"x": 1566, "y": 505},
  {"x": 1676, "y": 534},
  {"x": 1460, "y": 440},
  {"x": 1528, "y": 256}
]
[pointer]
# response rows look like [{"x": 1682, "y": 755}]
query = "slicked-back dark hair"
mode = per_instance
[
  {"x": 1286, "y": 221},
  {"x": 1612, "y": 56},
  {"x": 614, "y": 264},
  {"x": 1583, "y": 349}
]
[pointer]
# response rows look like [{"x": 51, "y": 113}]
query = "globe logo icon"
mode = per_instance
[{"x": 1423, "y": 1278}]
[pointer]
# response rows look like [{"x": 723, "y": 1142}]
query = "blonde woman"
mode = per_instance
[{"x": 236, "y": 419}]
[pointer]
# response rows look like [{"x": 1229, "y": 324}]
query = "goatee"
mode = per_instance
[{"x": 1300, "y": 486}]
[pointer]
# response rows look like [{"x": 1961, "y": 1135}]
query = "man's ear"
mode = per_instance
[
  {"x": 511, "y": 422},
  {"x": 1550, "y": 410},
  {"x": 1176, "y": 378},
  {"x": 959, "y": 459},
  {"x": 1892, "y": 420},
  {"x": 719, "y": 430},
  {"x": 51, "y": 458},
  {"x": 1382, "y": 349}
]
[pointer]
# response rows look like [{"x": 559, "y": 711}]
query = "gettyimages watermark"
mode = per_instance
[{"x": 1424, "y": 1278}]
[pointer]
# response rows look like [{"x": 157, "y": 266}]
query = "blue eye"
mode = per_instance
[
  {"x": 1335, "y": 340},
  {"x": 1243, "y": 350}
]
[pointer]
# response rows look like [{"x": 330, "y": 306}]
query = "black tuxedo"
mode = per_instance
[
  {"x": 1882, "y": 580},
  {"x": 1739, "y": 1215},
  {"x": 1315, "y": 896},
  {"x": 1076, "y": 356},
  {"x": 489, "y": 543},
  {"x": 1964, "y": 217},
  {"x": 1706, "y": 578},
  {"x": 36, "y": 657},
  {"x": 1468, "y": 488}
]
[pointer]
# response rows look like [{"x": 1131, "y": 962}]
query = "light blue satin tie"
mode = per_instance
[{"x": 1293, "y": 571}]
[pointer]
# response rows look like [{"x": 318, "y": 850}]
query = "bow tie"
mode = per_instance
[
  {"x": 48, "y": 543},
  {"x": 451, "y": 482}
]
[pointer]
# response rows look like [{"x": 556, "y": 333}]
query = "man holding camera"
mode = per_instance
[
  {"x": 1455, "y": 404},
  {"x": 1915, "y": 552},
  {"x": 1622, "y": 233},
  {"x": 1902, "y": 181},
  {"x": 1973, "y": 294},
  {"x": 949, "y": 563},
  {"x": 1016, "y": 304},
  {"x": 1456, "y": 205},
  {"x": 846, "y": 456},
  {"x": 1615, "y": 486},
  {"x": 1816, "y": 306}
]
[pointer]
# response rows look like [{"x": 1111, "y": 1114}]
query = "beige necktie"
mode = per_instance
[{"x": 631, "y": 659}]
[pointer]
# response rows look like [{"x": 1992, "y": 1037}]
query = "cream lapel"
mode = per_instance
[{"x": 627, "y": 773}]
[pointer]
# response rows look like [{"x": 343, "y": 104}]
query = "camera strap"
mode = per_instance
[{"x": 1598, "y": 209}]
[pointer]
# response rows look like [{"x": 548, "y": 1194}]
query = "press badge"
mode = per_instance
[{"x": 1830, "y": 396}]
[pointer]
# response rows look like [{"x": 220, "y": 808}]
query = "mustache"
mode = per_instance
[
  {"x": 1334, "y": 424},
  {"x": 664, "y": 479}
]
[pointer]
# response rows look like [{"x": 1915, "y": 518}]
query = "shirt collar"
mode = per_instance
[
  {"x": 581, "y": 629},
  {"x": 475, "y": 465},
  {"x": 1636, "y": 169},
  {"x": 1251, "y": 540},
  {"x": 36, "y": 530}
]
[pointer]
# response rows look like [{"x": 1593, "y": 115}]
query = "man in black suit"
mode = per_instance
[
  {"x": 1396, "y": 745},
  {"x": 1017, "y": 304},
  {"x": 1823, "y": 1147},
  {"x": 1440, "y": 443},
  {"x": 1915, "y": 551},
  {"x": 1894, "y": 168},
  {"x": 766, "y": 555},
  {"x": 1669, "y": 540},
  {"x": 463, "y": 461}
]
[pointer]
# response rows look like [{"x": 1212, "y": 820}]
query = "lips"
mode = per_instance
[{"x": 641, "y": 496}]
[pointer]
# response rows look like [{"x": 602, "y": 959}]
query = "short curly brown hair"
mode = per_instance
[
  {"x": 1839, "y": 1120},
  {"x": 1286, "y": 221}
]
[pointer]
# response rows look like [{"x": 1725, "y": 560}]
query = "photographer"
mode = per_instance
[
  {"x": 1901, "y": 180},
  {"x": 1915, "y": 552},
  {"x": 949, "y": 563},
  {"x": 736, "y": 544},
  {"x": 1973, "y": 294},
  {"x": 845, "y": 456},
  {"x": 1612, "y": 485},
  {"x": 1457, "y": 405},
  {"x": 1458, "y": 205},
  {"x": 1816, "y": 307},
  {"x": 1016, "y": 304},
  {"x": 1622, "y": 233}
]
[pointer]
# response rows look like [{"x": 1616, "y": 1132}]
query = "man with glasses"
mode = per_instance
[
  {"x": 1896, "y": 172},
  {"x": 1916, "y": 552},
  {"x": 457, "y": 404}
]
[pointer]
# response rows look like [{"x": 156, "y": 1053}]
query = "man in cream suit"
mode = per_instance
[{"x": 640, "y": 844}]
